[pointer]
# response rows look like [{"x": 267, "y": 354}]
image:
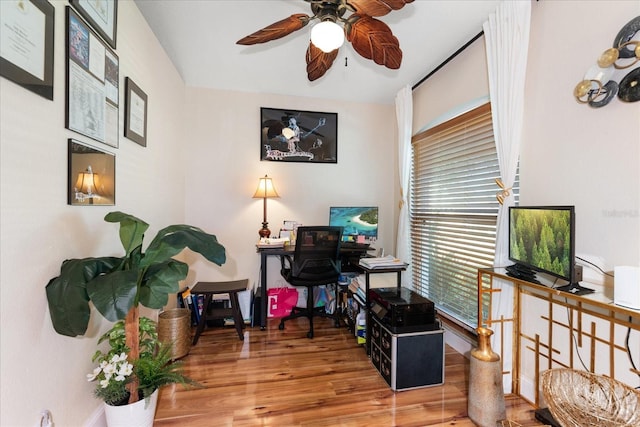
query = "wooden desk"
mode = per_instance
[
  {"x": 591, "y": 319},
  {"x": 347, "y": 255}
]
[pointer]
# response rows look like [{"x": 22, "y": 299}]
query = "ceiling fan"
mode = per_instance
[{"x": 370, "y": 37}]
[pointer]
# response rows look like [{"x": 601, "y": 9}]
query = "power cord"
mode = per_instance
[
  {"x": 573, "y": 335},
  {"x": 575, "y": 343},
  {"x": 628, "y": 347},
  {"x": 594, "y": 265}
]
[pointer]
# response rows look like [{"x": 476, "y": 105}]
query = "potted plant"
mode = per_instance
[{"x": 118, "y": 285}]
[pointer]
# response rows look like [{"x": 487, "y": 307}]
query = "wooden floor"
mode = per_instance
[{"x": 281, "y": 378}]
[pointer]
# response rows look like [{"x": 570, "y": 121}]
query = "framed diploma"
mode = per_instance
[
  {"x": 92, "y": 83},
  {"x": 26, "y": 44},
  {"x": 102, "y": 15},
  {"x": 135, "y": 113}
]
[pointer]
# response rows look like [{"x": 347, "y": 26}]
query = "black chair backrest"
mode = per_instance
[{"x": 317, "y": 253}]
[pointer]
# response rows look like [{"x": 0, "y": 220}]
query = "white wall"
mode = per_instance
[
  {"x": 41, "y": 369},
  {"x": 202, "y": 158},
  {"x": 224, "y": 166},
  {"x": 571, "y": 153},
  {"x": 577, "y": 155}
]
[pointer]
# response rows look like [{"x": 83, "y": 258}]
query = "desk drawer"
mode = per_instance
[
  {"x": 376, "y": 355},
  {"x": 385, "y": 342},
  {"x": 375, "y": 333},
  {"x": 386, "y": 369}
]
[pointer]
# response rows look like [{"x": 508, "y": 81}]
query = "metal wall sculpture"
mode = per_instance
[{"x": 599, "y": 85}]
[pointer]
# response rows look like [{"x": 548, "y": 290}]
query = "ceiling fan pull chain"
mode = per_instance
[{"x": 345, "y": 61}]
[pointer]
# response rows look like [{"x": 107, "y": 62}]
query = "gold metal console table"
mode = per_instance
[{"x": 551, "y": 328}]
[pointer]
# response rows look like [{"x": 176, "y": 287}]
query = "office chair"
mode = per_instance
[{"x": 315, "y": 262}]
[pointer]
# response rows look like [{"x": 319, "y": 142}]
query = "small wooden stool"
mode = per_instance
[{"x": 209, "y": 289}]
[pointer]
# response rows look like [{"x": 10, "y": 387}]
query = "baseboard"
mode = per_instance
[{"x": 459, "y": 343}]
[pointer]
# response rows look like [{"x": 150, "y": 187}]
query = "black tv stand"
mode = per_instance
[{"x": 575, "y": 289}]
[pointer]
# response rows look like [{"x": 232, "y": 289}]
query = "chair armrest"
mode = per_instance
[{"x": 286, "y": 261}]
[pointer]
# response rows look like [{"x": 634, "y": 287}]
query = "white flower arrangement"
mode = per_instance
[{"x": 117, "y": 368}]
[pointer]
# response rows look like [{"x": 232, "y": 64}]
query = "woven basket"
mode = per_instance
[
  {"x": 583, "y": 399},
  {"x": 174, "y": 327}
]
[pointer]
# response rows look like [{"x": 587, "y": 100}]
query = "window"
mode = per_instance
[{"x": 454, "y": 212}]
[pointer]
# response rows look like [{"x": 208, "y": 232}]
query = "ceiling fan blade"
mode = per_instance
[
  {"x": 276, "y": 30},
  {"x": 318, "y": 62},
  {"x": 377, "y": 7},
  {"x": 373, "y": 39}
]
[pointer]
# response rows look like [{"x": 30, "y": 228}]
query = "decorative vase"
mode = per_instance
[
  {"x": 139, "y": 414},
  {"x": 486, "y": 395}
]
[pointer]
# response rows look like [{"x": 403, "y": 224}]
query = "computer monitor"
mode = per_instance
[{"x": 356, "y": 220}]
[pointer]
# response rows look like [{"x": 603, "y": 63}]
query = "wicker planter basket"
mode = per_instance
[
  {"x": 174, "y": 326},
  {"x": 581, "y": 399}
]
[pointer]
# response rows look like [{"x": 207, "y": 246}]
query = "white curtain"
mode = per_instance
[
  {"x": 507, "y": 42},
  {"x": 404, "y": 116}
]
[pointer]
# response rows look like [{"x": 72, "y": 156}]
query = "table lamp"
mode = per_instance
[{"x": 265, "y": 190}]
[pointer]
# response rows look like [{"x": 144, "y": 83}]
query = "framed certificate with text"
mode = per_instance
[
  {"x": 135, "y": 113},
  {"x": 102, "y": 15},
  {"x": 92, "y": 83},
  {"x": 26, "y": 44}
]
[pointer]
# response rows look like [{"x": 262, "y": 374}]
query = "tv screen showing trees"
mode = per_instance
[{"x": 542, "y": 238}]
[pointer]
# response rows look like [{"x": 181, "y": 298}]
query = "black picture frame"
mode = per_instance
[
  {"x": 28, "y": 61},
  {"x": 298, "y": 136},
  {"x": 103, "y": 19},
  {"x": 135, "y": 113},
  {"x": 93, "y": 83},
  {"x": 85, "y": 160}
]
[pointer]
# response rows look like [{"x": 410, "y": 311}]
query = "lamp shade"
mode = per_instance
[
  {"x": 265, "y": 189},
  {"x": 86, "y": 182},
  {"x": 327, "y": 36}
]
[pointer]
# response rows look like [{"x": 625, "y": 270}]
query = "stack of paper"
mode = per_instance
[
  {"x": 271, "y": 243},
  {"x": 388, "y": 261}
]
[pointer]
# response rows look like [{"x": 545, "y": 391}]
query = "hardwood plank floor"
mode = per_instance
[{"x": 281, "y": 378}]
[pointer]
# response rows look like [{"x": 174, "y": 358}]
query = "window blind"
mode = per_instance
[{"x": 454, "y": 211}]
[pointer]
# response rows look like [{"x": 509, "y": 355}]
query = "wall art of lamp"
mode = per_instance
[
  {"x": 265, "y": 191},
  {"x": 86, "y": 185}
]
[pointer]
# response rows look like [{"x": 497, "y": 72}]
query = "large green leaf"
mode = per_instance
[
  {"x": 67, "y": 294},
  {"x": 114, "y": 294},
  {"x": 115, "y": 285},
  {"x": 161, "y": 280},
  {"x": 132, "y": 229},
  {"x": 172, "y": 240}
]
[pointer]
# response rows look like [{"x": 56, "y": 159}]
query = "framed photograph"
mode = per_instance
[
  {"x": 92, "y": 83},
  {"x": 26, "y": 44},
  {"x": 135, "y": 113},
  {"x": 102, "y": 15},
  {"x": 91, "y": 177},
  {"x": 298, "y": 136}
]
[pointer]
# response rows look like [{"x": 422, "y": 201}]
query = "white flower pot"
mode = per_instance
[{"x": 139, "y": 414}]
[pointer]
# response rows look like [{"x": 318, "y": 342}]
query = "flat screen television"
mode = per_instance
[
  {"x": 542, "y": 239},
  {"x": 356, "y": 220}
]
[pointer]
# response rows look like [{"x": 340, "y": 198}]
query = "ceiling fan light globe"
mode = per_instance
[{"x": 327, "y": 36}]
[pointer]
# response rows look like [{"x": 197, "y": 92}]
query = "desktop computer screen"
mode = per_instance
[{"x": 356, "y": 220}]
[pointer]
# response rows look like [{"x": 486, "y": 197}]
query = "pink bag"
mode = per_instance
[{"x": 281, "y": 301}]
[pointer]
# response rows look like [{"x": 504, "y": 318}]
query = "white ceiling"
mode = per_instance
[{"x": 200, "y": 35}]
